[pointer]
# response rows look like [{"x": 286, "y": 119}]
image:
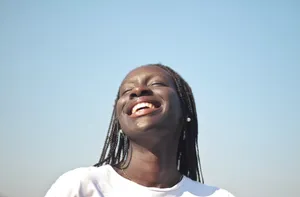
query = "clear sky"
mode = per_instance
[{"x": 61, "y": 63}]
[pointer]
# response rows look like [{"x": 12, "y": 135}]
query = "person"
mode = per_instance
[{"x": 151, "y": 148}]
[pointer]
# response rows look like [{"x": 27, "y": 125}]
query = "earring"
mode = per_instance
[
  {"x": 188, "y": 119},
  {"x": 121, "y": 132}
]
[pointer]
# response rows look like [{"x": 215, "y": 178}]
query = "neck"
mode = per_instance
[{"x": 155, "y": 168}]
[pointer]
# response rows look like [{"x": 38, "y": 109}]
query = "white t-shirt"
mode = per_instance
[{"x": 104, "y": 181}]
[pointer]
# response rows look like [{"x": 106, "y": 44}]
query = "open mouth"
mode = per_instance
[{"x": 144, "y": 108}]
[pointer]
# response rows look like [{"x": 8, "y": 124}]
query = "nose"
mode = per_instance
[{"x": 140, "y": 91}]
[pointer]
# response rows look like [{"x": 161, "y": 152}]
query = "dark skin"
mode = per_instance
[{"x": 154, "y": 132}]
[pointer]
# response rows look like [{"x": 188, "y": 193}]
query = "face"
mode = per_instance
[{"x": 148, "y": 103}]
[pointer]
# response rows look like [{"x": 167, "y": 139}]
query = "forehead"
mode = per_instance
[{"x": 147, "y": 71}]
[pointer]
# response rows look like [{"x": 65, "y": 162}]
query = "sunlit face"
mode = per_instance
[{"x": 148, "y": 102}]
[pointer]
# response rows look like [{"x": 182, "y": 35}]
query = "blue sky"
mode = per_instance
[{"x": 61, "y": 63}]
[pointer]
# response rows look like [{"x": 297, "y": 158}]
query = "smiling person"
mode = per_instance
[{"x": 151, "y": 148}]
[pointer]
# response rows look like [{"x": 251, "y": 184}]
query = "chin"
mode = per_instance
[{"x": 145, "y": 123}]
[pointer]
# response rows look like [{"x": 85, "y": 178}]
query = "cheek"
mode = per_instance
[
  {"x": 119, "y": 108},
  {"x": 119, "y": 113},
  {"x": 124, "y": 124},
  {"x": 176, "y": 105}
]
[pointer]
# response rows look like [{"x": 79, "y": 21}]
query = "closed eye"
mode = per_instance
[
  {"x": 158, "y": 84},
  {"x": 126, "y": 91}
]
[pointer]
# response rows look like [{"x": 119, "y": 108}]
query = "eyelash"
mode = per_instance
[
  {"x": 128, "y": 90},
  {"x": 158, "y": 83}
]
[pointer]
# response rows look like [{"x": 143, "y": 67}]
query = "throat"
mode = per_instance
[{"x": 150, "y": 170}]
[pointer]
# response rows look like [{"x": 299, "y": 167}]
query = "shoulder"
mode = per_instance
[
  {"x": 80, "y": 174},
  {"x": 199, "y": 189},
  {"x": 72, "y": 182}
]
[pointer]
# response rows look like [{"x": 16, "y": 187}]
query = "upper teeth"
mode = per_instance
[{"x": 141, "y": 105}]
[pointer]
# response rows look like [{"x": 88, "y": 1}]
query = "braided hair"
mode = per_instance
[{"x": 116, "y": 146}]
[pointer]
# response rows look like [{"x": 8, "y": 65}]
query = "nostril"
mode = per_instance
[
  {"x": 145, "y": 93},
  {"x": 140, "y": 92},
  {"x": 133, "y": 95}
]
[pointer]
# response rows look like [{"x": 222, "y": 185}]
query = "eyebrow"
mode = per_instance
[{"x": 132, "y": 80}]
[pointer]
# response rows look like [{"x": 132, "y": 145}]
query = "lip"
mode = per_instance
[{"x": 143, "y": 99}]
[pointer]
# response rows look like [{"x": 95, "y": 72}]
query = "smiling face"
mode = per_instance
[{"x": 148, "y": 103}]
